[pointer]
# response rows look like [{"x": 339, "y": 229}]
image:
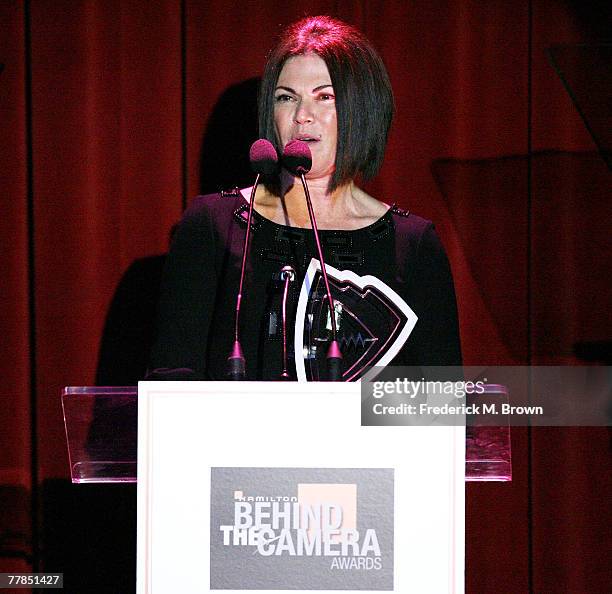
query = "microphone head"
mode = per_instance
[
  {"x": 297, "y": 157},
  {"x": 263, "y": 157}
]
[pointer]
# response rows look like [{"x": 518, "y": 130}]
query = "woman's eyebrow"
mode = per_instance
[{"x": 292, "y": 91}]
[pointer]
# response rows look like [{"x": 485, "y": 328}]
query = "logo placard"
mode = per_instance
[{"x": 302, "y": 528}]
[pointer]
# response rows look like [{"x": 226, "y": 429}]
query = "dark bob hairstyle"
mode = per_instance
[{"x": 364, "y": 99}]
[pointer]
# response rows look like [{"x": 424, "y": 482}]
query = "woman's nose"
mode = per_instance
[{"x": 304, "y": 113}]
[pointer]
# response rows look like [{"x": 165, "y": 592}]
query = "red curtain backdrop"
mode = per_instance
[{"x": 106, "y": 106}]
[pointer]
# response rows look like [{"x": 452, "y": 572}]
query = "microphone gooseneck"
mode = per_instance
[
  {"x": 297, "y": 159},
  {"x": 264, "y": 161}
]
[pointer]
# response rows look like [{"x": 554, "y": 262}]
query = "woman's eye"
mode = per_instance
[
  {"x": 326, "y": 97},
  {"x": 283, "y": 98}
]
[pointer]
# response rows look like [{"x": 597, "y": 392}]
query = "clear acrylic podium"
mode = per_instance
[{"x": 101, "y": 433}]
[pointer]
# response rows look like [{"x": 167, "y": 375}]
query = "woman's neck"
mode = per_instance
[
  {"x": 347, "y": 207},
  {"x": 326, "y": 204}
]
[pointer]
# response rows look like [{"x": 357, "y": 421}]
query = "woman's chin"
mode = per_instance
[{"x": 314, "y": 175}]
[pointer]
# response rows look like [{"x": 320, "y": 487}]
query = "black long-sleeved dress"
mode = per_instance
[{"x": 400, "y": 250}]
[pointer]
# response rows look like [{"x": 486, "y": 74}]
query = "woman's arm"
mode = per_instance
[
  {"x": 435, "y": 338},
  {"x": 187, "y": 300}
]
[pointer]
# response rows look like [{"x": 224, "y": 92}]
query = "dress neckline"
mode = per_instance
[{"x": 259, "y": 218}]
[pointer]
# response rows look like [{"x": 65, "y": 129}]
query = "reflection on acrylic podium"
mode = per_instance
[{"x": 101, "y": 431}]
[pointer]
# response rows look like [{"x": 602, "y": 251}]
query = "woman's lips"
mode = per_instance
[{"x": 306, "y": 138}]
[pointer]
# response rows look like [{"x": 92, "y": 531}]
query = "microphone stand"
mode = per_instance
[
  {"x": 334, "y": 355},
  {"x": 236, "y": 361}
]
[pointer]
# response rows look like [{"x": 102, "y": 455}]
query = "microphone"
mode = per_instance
[
  {"x": 264, "y": 161},
  {"x": 297, "y": 159},
  {"x": 263, "y": 157},
  {"x": 287, "y": 275}
]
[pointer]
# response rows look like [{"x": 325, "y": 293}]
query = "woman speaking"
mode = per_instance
[{"x": 390, "y": 282}]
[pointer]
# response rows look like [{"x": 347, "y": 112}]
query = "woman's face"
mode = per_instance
[{"x": 305, "y": 109}]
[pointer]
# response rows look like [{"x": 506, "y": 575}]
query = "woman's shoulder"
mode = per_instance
[
  {"x": 409, "y": 223},
  {"x": 404, "y": 221},
  {"x": 216, "y": 207}
]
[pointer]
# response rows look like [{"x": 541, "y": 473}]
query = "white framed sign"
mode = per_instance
[{"x": 258, "y": 486}]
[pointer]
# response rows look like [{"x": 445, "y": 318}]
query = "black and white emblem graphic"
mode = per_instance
[{"x": 372, "y": 320}]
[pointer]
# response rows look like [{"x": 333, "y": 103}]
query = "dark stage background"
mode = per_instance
[{"x": 115, "y": 114}]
